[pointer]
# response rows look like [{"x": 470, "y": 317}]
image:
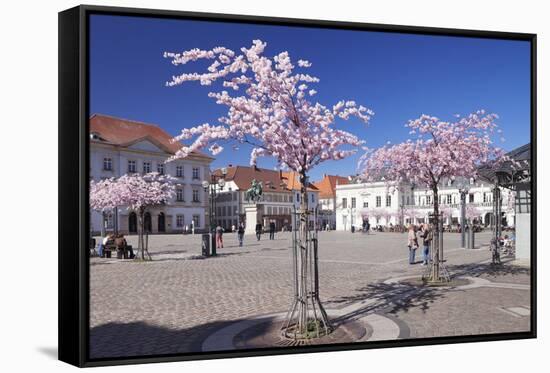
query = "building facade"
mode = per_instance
[
  {"x": 281, "y": 196},
  {"x": 327, "y": 199},
  {"x": 119, "y": 146},
  {"x": 383, "y": 204}
]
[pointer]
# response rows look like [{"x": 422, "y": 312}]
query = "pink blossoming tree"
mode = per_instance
[
  {"x": 138, "y": 193},
  {"x": 438, "y": 150},
  {"x": 413, "y": 213},
  {"x": 472, "y": 213},
  {"x": 271, "y": 108},
  {"x": 103, "y": 199}
]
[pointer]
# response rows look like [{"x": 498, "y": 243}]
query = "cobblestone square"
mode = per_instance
[{"x": 181, "y": 302}]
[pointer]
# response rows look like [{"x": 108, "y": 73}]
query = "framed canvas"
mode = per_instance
[{"x": 236, "y": 186}]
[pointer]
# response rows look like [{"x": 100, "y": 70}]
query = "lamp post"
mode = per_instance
[
  {"x": 500, "y": 178},
  {"x": 463, "y": 190},
  {"x": 211, "y": 187}
]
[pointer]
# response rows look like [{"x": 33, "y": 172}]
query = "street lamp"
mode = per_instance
[
  {"x": 211, "y": 187},
  {"x": 500, "y": 179},
  {"x": 463, "y": 189}
]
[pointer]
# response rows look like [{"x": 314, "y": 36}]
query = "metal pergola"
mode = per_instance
[{"x": 514, "y": 173}]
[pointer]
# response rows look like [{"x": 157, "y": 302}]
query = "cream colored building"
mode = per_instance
[
  {"x": 120, "y": 146},
  {"x": 383, "y": 204}
]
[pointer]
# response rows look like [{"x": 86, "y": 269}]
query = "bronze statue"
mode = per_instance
[{"x": 255, "y": 191}]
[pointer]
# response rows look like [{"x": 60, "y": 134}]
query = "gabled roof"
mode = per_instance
[
  {"x": 274, "y": 181},
  {"x": 327, "y": 185},
  {"x": 124, "y": 132}
]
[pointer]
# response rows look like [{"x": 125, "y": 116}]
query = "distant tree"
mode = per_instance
[
  {"x": 438, "y": 150},
  {"x": 103, "y": 199},
  {"x": 138, "y": 193}
]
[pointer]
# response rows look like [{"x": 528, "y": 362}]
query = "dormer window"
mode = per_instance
[{"x": 95, "y": 136}]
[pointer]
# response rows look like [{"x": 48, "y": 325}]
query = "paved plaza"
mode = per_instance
[{"x": 181, "y": 302}]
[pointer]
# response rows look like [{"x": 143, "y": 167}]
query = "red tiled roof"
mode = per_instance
[
  {"x": 275, "y": 181},
  {"x": 327, "y": 186},
  {"x": 124, "y": 132}
]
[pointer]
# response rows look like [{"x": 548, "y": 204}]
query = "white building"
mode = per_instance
[
  {"x": 281, "y": 195},
  {"x": 120, "y": 146},
  {"x": 383, "y": 204}
]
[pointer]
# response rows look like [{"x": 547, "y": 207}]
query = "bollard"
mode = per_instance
[
  {"x": 205, "y": 244},
  {"x": 471, "y": 238}
]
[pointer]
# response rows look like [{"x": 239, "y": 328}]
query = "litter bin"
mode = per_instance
[{"x": 206, "y": 244}]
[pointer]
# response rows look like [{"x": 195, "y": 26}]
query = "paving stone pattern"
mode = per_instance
[{"x": 172, "y": 304}]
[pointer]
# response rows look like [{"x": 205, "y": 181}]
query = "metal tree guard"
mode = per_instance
[
  {"x": 211, "y": 187},
  {"x": 306, "y": 317},
  {"x": 437, "y": 271}
]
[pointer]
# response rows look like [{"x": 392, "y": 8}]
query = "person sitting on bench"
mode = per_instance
[
  {"x": 101, "y": 247},
  {"x": 121, "y": 244}
]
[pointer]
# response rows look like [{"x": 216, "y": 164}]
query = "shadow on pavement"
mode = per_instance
[
  {"x": 479, "y": 269},
  {"x": 389, "y": 298},
  {"x": 140, "y": 339}
]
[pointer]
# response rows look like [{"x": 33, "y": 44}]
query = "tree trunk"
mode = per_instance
[
  {"x": 103, "y": 220},
  {"x": 306, "y": 318},
  {"x": 436, "y": 247},
  {"x": 142, "y": 249}
]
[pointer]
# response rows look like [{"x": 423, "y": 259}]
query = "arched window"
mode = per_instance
[
  {"x": 132, "y": 223},
  {"x": 161, "y": 222}
]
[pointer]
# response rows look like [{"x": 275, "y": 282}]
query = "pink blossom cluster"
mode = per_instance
[
  {"x": 376, "y": 212},
  {"x": 472, "y": 212},
  {"x": 448, "y": 212},
  {"x": 136, "y": 192},
  {"x": 273, "y": 113},
  {"x": 438, "y": 150},
  {"x": 103, "y": 196},
  {"x": 413, "y": 213}
]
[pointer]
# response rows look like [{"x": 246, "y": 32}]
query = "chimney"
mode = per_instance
[{"x": 280, "y": 174}]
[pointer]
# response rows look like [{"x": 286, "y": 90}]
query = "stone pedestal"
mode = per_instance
[{"x": 251, "y": 213}]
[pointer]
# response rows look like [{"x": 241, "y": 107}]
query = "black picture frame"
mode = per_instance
[{"x": 74, "y": 182}]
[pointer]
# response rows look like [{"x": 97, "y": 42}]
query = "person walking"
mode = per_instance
[
  {"x": 367, "y": 227},
  {"x": 272, "y": 230},
  {"x": 412, "y": 243},
  {"x": 219, "y": 236},
  {"x": 240, "y": 234},
  {"x": 258, "y": 231},
  {"x": 427, "y": 237}
]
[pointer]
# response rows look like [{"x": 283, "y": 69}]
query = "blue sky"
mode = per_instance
[{"x": 398, "y": 76}]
